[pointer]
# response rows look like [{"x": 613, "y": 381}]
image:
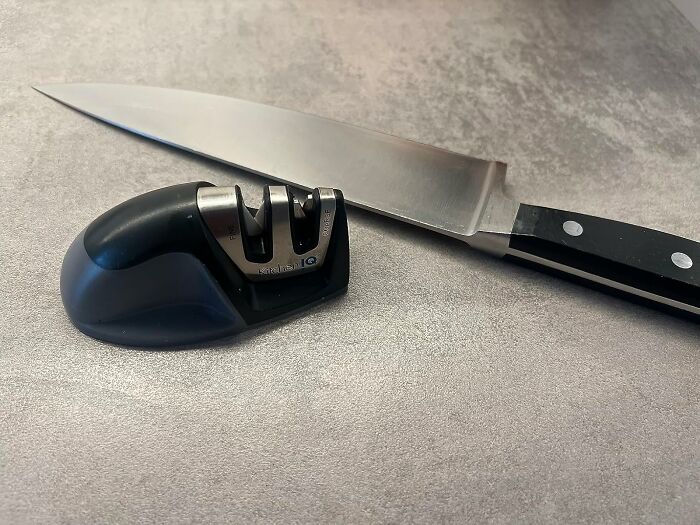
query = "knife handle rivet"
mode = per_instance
[
  {"x": 572, "y": 228},
  {"x": 682, "y": 260}
]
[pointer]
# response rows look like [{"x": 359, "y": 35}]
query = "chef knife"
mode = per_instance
[{"x": 443, "y": 191}]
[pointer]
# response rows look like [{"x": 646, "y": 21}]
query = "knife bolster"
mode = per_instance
[{"x": 495, "y": 225}]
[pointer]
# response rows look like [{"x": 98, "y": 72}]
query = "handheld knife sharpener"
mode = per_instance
[{"x": 191, "y": 263}]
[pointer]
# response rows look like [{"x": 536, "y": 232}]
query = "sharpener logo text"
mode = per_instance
[
  {"x": 284, "y": 268},
  {"x": 326, "y": 222}
]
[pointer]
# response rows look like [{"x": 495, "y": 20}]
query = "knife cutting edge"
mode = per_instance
[{"x": 443, "y": 191}]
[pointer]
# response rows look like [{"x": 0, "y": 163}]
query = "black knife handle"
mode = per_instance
[{"x": 647, "y": 264}]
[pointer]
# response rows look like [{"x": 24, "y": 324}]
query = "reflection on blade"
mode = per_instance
[{"x": 416, "y": 183}]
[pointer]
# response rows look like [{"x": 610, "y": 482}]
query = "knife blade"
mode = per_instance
[{"x": 443, "y": 191}]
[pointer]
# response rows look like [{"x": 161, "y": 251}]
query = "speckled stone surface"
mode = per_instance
[{"x": 446, "y": 385}]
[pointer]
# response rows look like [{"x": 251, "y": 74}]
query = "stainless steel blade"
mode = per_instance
[{"x": 434, "y": 188}]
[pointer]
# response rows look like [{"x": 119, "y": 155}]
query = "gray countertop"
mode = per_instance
[{"x": 446, "y": 385}]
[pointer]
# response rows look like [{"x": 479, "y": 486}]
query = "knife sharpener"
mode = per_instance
[{"x": 191, "y": 263}]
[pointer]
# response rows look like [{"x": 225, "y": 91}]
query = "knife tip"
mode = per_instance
[{"x": 44, "y": 89}]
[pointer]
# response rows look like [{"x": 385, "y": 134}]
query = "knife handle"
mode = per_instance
[{"x": 652, "y": 266}]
